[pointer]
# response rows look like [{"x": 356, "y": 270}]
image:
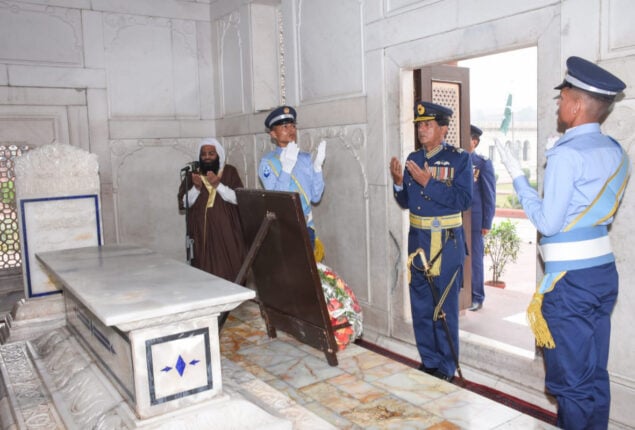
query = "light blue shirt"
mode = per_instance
[
  {"x": 274, "y": 178},
  {"x": 578, "y": 166}
]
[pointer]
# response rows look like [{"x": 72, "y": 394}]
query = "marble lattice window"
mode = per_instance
[{"x": 9, "y": 232}]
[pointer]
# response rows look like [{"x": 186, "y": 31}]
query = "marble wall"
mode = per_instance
[{"x": 139, "y": 82}]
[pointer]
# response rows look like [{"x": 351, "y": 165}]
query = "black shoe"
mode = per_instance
[
  {"x": 428, "y": 370},
  {"x": 443, "y": 376},
  {"x": 475, "y": 306}
]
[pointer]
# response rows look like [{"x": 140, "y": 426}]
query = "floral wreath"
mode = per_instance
[{"x": 343, "y": 307}]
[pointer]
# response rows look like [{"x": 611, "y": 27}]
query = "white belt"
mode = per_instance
[{"x": 578, "y": 250}]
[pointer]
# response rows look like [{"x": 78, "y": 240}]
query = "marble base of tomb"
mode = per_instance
[
  {"x": 139, "y": 349},
  {"x": 30, "y": 317},
  {"x": 52, "y": 382}
]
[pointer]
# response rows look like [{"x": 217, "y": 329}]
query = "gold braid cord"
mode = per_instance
[{"x": 438, "y": 311}]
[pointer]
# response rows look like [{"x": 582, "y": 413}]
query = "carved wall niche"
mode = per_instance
[
  {"x": 342, "y": 217},
  {"x": 231, "y": 65},
  {"x": 618, "y": 38},
  {"x": 152, "y": 67},
  {"x": 331, "y": 62},
  {"x": 146, "y": 180},
  {"x": 34, "y": 125},
  {"x": 57, "y": 41},
  {"x": 238, "y": 152}
]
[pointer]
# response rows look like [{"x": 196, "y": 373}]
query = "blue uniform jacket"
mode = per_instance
[
  {"x": 450, "y": 190},
  {"x": 484, "y": 193},
  {"x": 274, "y": 178}
]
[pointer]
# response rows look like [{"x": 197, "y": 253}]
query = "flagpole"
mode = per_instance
[{"x": 513, "y": 141}]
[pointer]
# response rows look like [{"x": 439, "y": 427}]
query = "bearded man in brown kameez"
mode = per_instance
[{"x": 212, "y": 218}]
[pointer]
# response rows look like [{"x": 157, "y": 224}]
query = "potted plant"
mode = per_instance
[{"x": 502, "y": 244}]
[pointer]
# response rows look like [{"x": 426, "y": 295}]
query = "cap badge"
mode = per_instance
[
  {"x": 286, "y": 110},
  {"x": 421, "y": 109}
]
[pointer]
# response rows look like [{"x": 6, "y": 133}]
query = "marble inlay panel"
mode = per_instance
[
  {"x": 55, "y": 223},
  {"x": 180, "y": 365}
]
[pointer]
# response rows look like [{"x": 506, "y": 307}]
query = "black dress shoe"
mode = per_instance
[
  {"x": 475, "y": 306},
  {"x": 443, "y": 376},
  {"x": 428, "y": 370}
]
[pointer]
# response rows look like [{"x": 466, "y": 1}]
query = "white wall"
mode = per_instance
[{"x": 139, "y": 82}]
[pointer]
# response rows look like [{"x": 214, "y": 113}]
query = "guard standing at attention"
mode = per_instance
[
  {"x": 570, "y": 313},
  {"x": 483, "y": 211},
  {"x": 435, "y": 187}
]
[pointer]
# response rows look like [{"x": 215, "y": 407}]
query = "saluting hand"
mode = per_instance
[{"x": 421, "y": 176}]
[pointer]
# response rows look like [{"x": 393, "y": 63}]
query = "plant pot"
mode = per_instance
[{"x": 499, "y": 284}]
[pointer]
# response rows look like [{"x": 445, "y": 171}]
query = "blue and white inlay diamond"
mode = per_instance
[{"x": 180, "y": 365}]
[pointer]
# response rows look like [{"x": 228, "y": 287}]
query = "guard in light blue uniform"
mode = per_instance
[
  {"x": 483, "y": 211},
  {"x": 585, "y": 178},
  {"x": 287, "y": 169},
  {"x": 435, "y": 186}
]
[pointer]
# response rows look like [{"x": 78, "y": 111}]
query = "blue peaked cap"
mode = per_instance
[
  {"x": 590, "y": 77},
  {"x": 280, "y": 115},
  {"x": 426, "y": 111}
]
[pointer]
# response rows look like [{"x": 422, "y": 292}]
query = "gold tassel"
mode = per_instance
[
  {"x": 537, "y": 322},
  {"x": 318, "y": 251}
]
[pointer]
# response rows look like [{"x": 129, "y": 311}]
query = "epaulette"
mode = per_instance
[{"x": 454, "y": 149}]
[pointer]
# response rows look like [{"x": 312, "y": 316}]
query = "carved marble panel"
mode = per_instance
[
  {"x": 57, "y": 191},
  {"x": 342, "y": 216},
  {"x": 152, "y": 67},
  {"x": 41, "y": 34},
  {"x": 34, "y": 125},
  {"x": 330, "y": 49},
  {"x": 146, "y": 181},
  {"x": 231, "y": 65},
  {"x": 618, "y": 38}
]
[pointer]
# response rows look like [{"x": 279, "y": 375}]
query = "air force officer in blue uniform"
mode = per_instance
[
  {"x": 435, "y": 187},
  {"x": 570, "y": 313},
  {"x": 483, "y": 210}
]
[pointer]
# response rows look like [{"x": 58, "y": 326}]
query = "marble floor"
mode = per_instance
[{"x": 365, "y": 391}]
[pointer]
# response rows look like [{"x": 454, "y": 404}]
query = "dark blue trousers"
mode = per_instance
[
  {"x": 432, "y": 341},
  {"x": 478, "y": 269},
  {"x": 578, "y": 312}
]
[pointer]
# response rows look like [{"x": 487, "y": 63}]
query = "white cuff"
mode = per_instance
[
  {"x": 227, "y": 194},
  {"x": 192, "y": 195}
]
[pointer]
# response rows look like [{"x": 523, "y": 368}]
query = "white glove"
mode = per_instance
[
  {"x": 510, "y": 162},
  {"x": 289, "y": 156},
  {"x": 320, "y": 157}
]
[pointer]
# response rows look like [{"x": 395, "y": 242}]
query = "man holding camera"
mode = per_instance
[{"x": 213, "y": 222}]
